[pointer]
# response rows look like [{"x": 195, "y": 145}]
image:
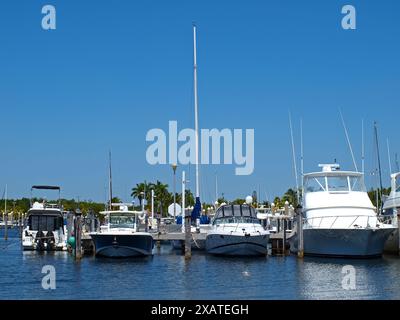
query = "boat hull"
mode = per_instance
[
  {"x": 123, "y": 245},
  {"x": 237, "y": 245},
  {"x": 392, "y": 243},
  {"x": 346, "y": 243}
]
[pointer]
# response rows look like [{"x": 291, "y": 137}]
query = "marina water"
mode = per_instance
[{"x": 166, "y": 275}]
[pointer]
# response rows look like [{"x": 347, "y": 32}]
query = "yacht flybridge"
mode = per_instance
[
  {"x": 44, "y": 226},
  {"x": 119, "y": 237},
  {"x": 236, "y": 231},
  {"x": 339, "y": 218}
]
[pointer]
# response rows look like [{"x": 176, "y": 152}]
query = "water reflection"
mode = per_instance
[{"x": 167, "y": 275}]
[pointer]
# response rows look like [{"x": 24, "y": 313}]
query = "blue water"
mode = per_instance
[{"x": 166, "y": 275}]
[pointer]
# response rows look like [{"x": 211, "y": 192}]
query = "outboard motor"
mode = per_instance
[
  {"x": 40, "y": 240},
  {"x": 51, "y": 241}
]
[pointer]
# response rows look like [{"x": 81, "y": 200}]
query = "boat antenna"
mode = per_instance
[
  {"x": 197, "y": 208},
  {"x": 379, "y": 163},
  {"x": 110, "y": 180},
  {"x": 348, "y": 140},
  {"x": 362, "y": 147},
  {"x": 390, "y": 160},
  {"x": 294, "y": 157}
]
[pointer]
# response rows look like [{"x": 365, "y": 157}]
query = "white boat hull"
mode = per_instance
[
  {"x": 237, "y": 245},
  {"x": 346, "y": 243}
]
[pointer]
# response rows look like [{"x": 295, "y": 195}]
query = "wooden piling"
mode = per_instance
[
  {"x": 285, "y": 227},
  {"x": 78, "y": 234},
  {"x": 284, "y": 237},
  {"x": 188, "y": 235},
  {"x": 300, "y": 235}
]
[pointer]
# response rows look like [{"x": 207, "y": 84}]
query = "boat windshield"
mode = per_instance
[
  {"x": 122, "y": 221},
  {"x": 235, "y": 214},
  {"x": 398, "y": 183},
  {"x": 41, "y": 222},
  {"x": 338, "y": 183},
  {"x": 237, "y": 220}
]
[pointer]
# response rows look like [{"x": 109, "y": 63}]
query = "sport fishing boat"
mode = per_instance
[
  {"x": 391, "y": 209},
  {"x": 236, "y": 231},
  {"x": 44, "y": 225},
  {"x": 339, "y": 218},
  {"x": 119, "y": 237}
]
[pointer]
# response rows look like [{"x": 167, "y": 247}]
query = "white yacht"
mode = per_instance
[
  {"x": 391, "y": 208},
  {"x": 339, "y": 218},
  {"x": 44, "y": 225},
  {"x": 119, "y": 237},
  {"x": 236, "y": 231}
]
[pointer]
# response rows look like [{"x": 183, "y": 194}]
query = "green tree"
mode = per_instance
[
  {"x": 137, "y": 192},
  {"x": 163, "y": 197}
]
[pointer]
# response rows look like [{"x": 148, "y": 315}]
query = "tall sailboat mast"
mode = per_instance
[
  {"x": 110, "y": 181},
  {"x": 197, "y": 207},
  {"x": 379, "y": 163},
  {"x": 196, "y": 116}
]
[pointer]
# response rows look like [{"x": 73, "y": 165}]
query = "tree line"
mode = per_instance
[{"x": 163, "y": 198}]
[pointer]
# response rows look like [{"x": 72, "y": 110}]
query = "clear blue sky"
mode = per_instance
[{"x": 115, "y": 69}]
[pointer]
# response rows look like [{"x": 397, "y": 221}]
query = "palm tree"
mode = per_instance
[
  {"x": 162, "y": 195},
  {"x": 291, "y": 197},
  {"x": 137, "y": 192}
]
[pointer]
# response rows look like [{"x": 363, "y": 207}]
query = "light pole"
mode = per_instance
[
  {"x": 152, "y": 206},
  {"x": 174, "y": 166},
  {"x": 143, "y": 195}
]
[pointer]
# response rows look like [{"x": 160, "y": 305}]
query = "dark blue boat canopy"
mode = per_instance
[{"x": 235, "y": 210}]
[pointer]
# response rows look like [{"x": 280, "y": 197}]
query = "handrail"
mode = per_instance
[{"x": 380, "y": 219}]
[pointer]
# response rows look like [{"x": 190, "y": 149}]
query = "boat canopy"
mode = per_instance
[
  {"x": 46, "y": 187},
  {"x": 334, "y": 181},
  {"x": 396, "y": 182},
  {"x": 235, "y": 210}
]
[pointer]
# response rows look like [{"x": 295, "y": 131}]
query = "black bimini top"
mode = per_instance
[
  {"x": 46, "y": 187},
  {"x": 39, "y": 212},
  {"x": 235, "y": 210}
]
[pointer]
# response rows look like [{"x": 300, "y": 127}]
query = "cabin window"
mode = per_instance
[
  {"x": 356, "y": 184},
  {"x": 45, "y": 223},
  {"x": 398, "y": 184},
  {"x": 122, "y": 221},
  {"x": 338, "y": 184},
  {"x": 315, "y": 184}
]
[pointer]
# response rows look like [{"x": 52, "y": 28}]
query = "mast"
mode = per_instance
[
  {"x": 362, "y": 147},
  {"x": 197, "y": 207},
  {"x": 216, "y": 187},
  {"x": 397, "y": 163},
  {"x": 5, "y": 215},
  {"x": 110, "y": 181},
  {"x": 390, "y": 160},
  {"x": 196, "y": 118},
  {"x": 302, "y": 159},
  {"x": 379, "y": 162},
  {"x": 294, "y": 158}
]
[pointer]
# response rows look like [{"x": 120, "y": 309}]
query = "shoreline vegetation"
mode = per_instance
[{"x": 163, "y": 198}]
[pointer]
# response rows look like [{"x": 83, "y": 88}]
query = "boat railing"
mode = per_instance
[{"x": 323, "y": 222}]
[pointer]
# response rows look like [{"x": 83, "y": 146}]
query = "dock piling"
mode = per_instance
[
  {"x": 188, "y": 235},
  {"x": 78, "y": 234},
  {"x": 285, "y": 227},
  {"x": 300, "y": 235}
]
